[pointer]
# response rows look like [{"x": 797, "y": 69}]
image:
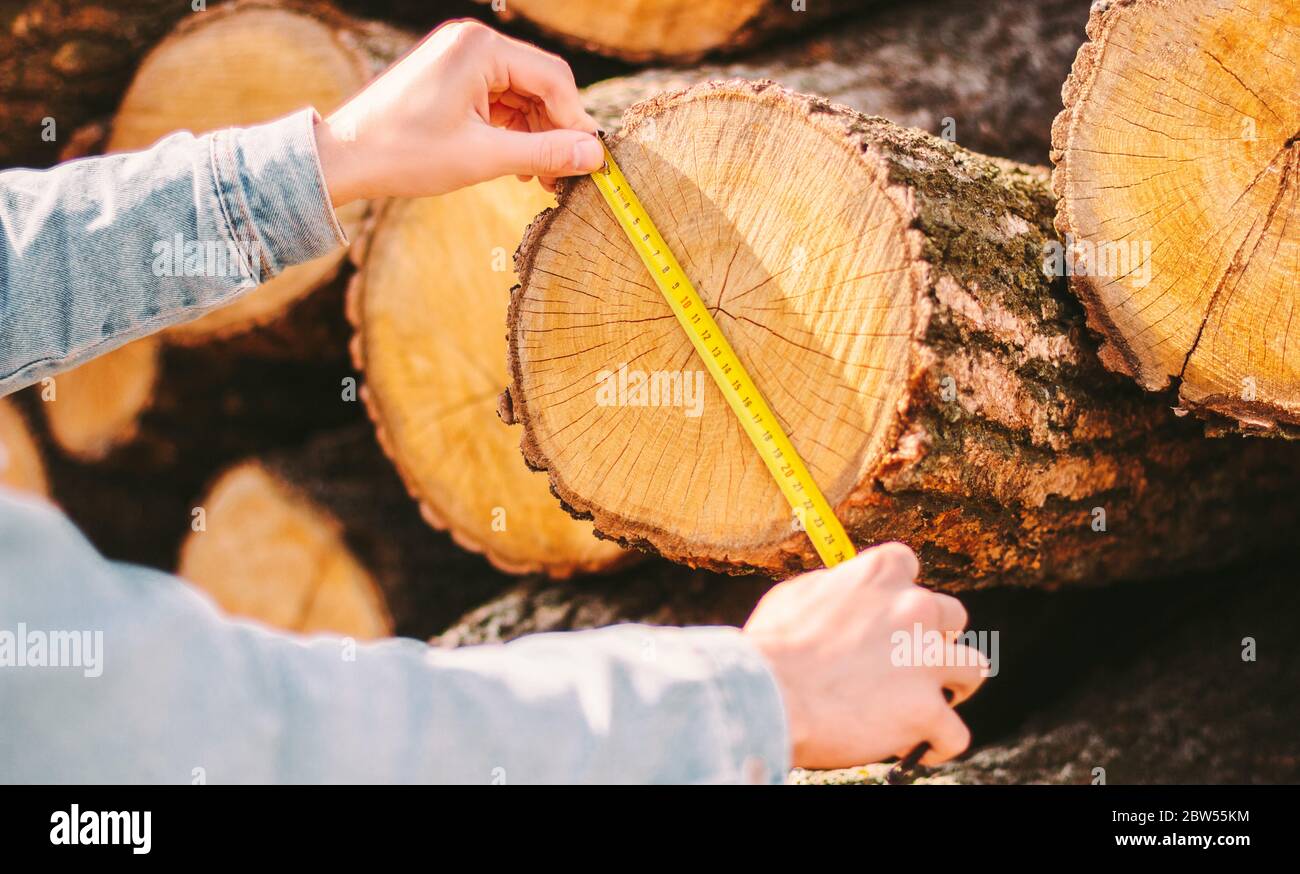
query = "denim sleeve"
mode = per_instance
[
  {"x": 97, "y": 252},
  {"x": 174, "y": 693}
]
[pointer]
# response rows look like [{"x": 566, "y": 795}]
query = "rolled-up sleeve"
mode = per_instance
[
  {"x": 97, "y": 252},
  {"x": 176, "y": 692}
]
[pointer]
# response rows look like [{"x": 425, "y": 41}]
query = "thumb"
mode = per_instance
[{"x": 547, "y": 154}]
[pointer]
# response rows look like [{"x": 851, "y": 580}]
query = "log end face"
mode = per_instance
[
  {"x": 1176, "y": 190},
  {"x": 263, "y": 550},
  {"x": 21, "y": 465},
  {"x": 427, "y": 307},
  {"x": 671, "y": 31},
  {"x": 95, "y": 408},
  {"x": 818, "y": 299}
]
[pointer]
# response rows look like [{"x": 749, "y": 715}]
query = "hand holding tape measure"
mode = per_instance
[{"x": 743, "y": 396}]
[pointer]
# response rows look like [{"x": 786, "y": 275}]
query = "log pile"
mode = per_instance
[{"x": 338, "y": 435}]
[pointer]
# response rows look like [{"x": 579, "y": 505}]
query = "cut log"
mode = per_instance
[
  {"x": 21, "y": 466},
  {"x": 428, "y": 305},
  {"x": 324, "y": 538},
  {"x": 886, "y": 291},
  {"x": 983, "y": 75},
  {"x": 106, "y": 404},
  {"x": 266, "y": 552},
  {"x": 242, "y": 64},
  {"x": 417, "y": 387},
  {"x": 95, "y": 408},
  {"x": 676, "y": 31},
  {"x": 1178, "y": 167}
]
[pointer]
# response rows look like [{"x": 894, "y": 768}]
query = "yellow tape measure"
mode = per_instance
[{"x": 756, "y": 417}]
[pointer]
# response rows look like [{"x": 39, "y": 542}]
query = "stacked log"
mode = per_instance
[
  {"x": 886, "y": 287},
  {"x": 1178, "y": 201},
  {"x": 210, "y": 410},
  {"x": 270, "y": 370},
  {"x": 974, "y": 356},
  {"x": 428, "y": 305},
  {"x": 886, "y": 290},
  {"x": 323, "y": 538}
]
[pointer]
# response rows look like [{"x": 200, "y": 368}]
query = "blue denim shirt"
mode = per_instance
[{"x": 113, "y": 673}]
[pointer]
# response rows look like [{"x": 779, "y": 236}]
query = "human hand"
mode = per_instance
[
  {"x": 827, "y": 636},
  {"x": 466, "y": 105}
]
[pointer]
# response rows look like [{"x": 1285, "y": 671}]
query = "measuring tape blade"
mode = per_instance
[{"x": 756, "y": 417}]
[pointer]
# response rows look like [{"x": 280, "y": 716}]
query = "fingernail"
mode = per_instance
[{"x": 587, "y": 155}]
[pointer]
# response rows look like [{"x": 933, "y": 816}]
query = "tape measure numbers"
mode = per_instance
[{"x": 756, "y": 417}]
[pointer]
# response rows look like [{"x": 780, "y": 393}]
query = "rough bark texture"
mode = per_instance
[
  {"x": 1177, "y": 169},
  {"x": 653, "y": 593},
  {"x": 671, "y": 32},
  {"x": 983, "y": 75},
  {"x": 1166, "y": 699},
  {"x": 1013, "y": 456},
  {"x": 69, "y": 61}
]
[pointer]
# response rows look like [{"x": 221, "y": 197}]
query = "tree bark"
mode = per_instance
[
  {"x": 886, "y": 290},
  {"x": 68, "y": 61},
  {"x": 982, "y": 75},
  {"x": 1178, "y": 166},
  {"x": 428, "y": 303},
  {"x": 654, "y": 593},
  {"x": 674, "y": 31}
]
